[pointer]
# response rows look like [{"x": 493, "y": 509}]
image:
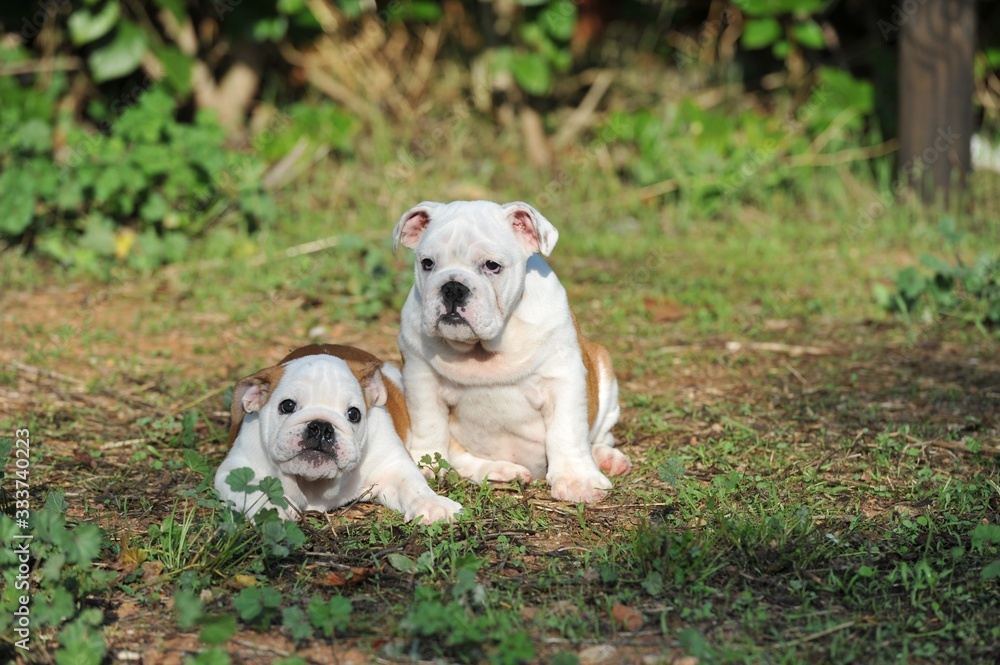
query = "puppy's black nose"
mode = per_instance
[
  {"x": 454, "y": 294},
  {"x": 320, "y": 435}
]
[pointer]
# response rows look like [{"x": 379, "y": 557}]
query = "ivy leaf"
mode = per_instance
[
  {"x": 401, "y": 562},
  {"x": 217, "y": 628},
  {"x": 188, "y": 607},
  {"x": 81, "y": 645},
  {"x": 85, "y": 544},
  {"x": 17, "y": 199},
  {"x": 809, "y": 34},
  {"x": 85, "y": 26},
  {"x": 985, "y": 533},
  {"x": 275, "y": 493},
  {"x": 653, "y": 584},
  {"x": 991, "y": 571},
  {"x": 196, "y": 462},
  {"x": 121, "y": 56},
  {"x": 294, "y": 619},
  {"x": 559, "y": 19},
  {"x": 330, "y": 615},
  {"x": 532, "y": 73},
  {"x": 254, "y": 602},
  {"x": 239, "y": 480},
  {"x": 176, "y": 68},
  {"x": 761, "y": 32}
]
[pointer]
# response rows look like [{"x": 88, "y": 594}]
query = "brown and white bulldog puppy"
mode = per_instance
[
  {"x": 498, "y": 379},
  {"x": 327, "y": 421}
]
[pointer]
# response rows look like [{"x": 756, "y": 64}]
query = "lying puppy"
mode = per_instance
[
  {"x": 498, "y": 379},
  {"x": 326, "y": 423}
]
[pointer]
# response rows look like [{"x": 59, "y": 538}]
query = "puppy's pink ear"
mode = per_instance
[
  {"x": 373, "y": 386},
  {"x": 250, "y": 395},
  {"x": 534, "y": 231},
  {"x": 412, "y": 225}
]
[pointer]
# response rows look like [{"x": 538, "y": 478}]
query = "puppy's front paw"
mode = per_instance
[
  {"x": 478, "y": 470},
  {"x": 590, "y": 488},
  {"x": 433, "y": 509},
  {"x": 611, "y": 460}
]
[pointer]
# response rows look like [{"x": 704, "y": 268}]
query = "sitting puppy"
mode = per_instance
[
  {"x": 327, "y": 424},
  {"x": 498, "y": 379}
]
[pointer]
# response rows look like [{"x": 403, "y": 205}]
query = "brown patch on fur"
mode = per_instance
[
  {"x": 362, "y": 364},
  {"x": 596, "y": 360},
  {"x": 265, "y": 379}
]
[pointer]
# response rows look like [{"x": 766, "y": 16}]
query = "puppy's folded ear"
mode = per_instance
[
  {"x": 373, "y": 386},
  {"x": 536, "y": 233},
  {"x": 412, "y": 225},
  {"x": 250, "y": 395}
]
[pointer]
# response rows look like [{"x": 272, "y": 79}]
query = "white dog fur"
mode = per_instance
[
  {"x": 326, "y": 421},
  {"x": 498, "y": 379}
]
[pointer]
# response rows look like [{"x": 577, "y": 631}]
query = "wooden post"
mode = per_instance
[{"x": 936, "y": 49}]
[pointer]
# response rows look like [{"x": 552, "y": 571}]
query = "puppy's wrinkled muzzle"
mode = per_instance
[{"x": 320, "y": 436}]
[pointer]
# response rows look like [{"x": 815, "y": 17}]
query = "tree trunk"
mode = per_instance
[{"x": 937, "y": 45}]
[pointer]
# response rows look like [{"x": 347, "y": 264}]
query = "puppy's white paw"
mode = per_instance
[
  {"x": 611, "y": 461},
  {"x": 432, "y": 509},
  {"x": 478, "y": 469},
  {"x": 590, "y": 488}
]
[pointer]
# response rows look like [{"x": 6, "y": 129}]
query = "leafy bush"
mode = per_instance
[
  {"x": 541, "y": 47},
  {"x": 135, "y": 194},
  {"x": 782, "y": 25},
  {"x": 970, "y": 292},
  {"x": 58, "y": 576},
  {"x": 717, "y": 153}
]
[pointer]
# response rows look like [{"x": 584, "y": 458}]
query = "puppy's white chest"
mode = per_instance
[{"x": 505, "y": 422}]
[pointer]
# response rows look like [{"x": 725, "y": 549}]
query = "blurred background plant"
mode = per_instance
[{"x": 129, "y": 129}]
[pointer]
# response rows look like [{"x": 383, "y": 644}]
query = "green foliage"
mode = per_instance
[
  {"x": 542, "y": 49},
  {"x": 782, "y": 25},
  {"x": 986, "y": 537},
  {"x": 718, "y": 154},
  {"x": 968, "y": 292},
  {"x": 258, "y": 606},
  {"x": 460, "y": 625},
  {"x": 212, "y": 540},
  {"x": 330, "y": 615},
  {"x": 55, "y": 571},
  {"x": 135, "y": 194}
]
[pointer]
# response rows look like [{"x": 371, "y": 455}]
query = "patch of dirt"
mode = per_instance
[{"x": 89, "y": 367}]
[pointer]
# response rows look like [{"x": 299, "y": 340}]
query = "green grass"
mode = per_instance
[{"x": 783, "y": 508}]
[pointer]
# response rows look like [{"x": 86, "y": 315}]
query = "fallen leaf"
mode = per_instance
[
  {"x": 627, "y": 617},
  {"x": 243, "y": 581},
  {"x": 131, "y": 558},
  {"x": 662, "y": 310},
  {"x": 151, "y": 570},
  {"x": 345, "y": 577}
]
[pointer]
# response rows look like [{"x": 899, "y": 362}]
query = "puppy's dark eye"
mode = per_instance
[
  {"x": 493, "y": 267},
  {"x": 286, "y": 406},
  {"x": 354, "y": 414},
  {"x": 427, "y": 264}
]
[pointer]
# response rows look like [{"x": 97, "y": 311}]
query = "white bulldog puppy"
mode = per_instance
[
  {"x": 498, "y": 379},
  {"x": 327, "y": 421}
]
